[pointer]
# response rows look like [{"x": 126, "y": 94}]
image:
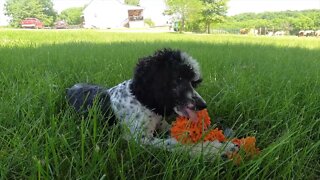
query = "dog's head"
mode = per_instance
[{"x": 165, "y": 83}]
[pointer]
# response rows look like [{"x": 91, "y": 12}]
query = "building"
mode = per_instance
[
  {"x": 4, "y": 20},
  {"x": 104, "y": 14},
  {"x": 154, "y": 10}
]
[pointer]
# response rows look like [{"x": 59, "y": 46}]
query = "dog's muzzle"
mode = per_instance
[
  {"x": 199, "y": 103},
  {"x": 190, "y": 109}
]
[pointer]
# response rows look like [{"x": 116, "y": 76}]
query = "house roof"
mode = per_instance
[
  {"x": 101, "y": 5},
  {"x": 130, "y": 7}
]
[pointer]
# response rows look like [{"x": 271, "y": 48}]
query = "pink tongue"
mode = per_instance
[{"x": 192, "y": 115}]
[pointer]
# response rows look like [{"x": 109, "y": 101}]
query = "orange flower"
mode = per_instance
[
  {"x": 181, "y": 130},
  {"x": 215, "y": 134},
  {"x": 187, "y": 131},
  {"x": 203, "y": 117},
  {"x": 248, "y": 145},
  {"x": 236, "y": 158}
]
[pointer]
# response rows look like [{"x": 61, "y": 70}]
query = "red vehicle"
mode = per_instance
[{"x": 31, "y": 23}]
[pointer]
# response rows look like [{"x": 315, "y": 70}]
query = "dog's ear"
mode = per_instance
[
  {"x": 153, "y": 78},
  {"x": 158, "y": 67}
]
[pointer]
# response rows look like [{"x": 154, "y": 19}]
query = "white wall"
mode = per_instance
[
  {"x": 105, "y": 14},
  {"x": 136, "y": 24},
  {"x": 4, "y": 20},
  {"x": 153, "y": 9}
]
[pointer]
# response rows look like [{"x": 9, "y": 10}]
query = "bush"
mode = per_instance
[{"x": 149, "y": 22}]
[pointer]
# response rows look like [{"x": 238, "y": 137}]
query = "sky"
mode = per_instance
[{"x": 235, "y": 6}]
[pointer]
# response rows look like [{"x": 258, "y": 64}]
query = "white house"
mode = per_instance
[
  {"x": 154, "y": 10},
  {"x": 4, "y": 20},
  {"x": 105, "y": 14}
]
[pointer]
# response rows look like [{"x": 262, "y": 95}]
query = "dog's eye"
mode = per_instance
[{"x": 196, "y": 83}]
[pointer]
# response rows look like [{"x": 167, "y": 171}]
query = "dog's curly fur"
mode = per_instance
[{"x": 163, "y": 85}]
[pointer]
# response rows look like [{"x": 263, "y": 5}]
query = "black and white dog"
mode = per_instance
[{"x": 163, "y": 85}]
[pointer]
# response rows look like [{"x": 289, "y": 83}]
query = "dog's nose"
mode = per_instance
[{"x": 200, "y": 105}]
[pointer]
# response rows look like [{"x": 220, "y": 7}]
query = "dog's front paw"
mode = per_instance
[
  {"x": 214, "y": 149},
  {"x": 230, "y": 148}
]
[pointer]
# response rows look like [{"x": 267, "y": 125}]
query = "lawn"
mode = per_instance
[{"x": 268, "y": 87}]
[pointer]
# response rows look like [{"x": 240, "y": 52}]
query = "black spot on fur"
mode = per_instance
[
  {"x": 133, "y": 102},
  {"x": 111, "y": 91},
  {"x": 118, "y": 106},
  {"x": 125, "y": 95}
]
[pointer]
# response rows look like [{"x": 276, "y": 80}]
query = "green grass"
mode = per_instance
[{"x": 268, "y": 87}]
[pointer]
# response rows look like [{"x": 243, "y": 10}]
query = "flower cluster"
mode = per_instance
[
  {"x": 247, "y": 149},
  {"x": 248, "y": 144},
  {"x": 188, "y": 132}
]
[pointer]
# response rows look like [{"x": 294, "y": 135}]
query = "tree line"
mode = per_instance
[
  {"x": 17, "y": 10},
  {"x": 191, "y": 14},
  {"x": 203, "y": 15},
  {"x": 290, "y": 21},
  {"x": 187, "y": 15}
]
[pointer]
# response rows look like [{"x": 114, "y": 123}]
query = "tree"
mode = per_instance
[
  {"x": 132, "y": 2},
  {"x": 72, "y": 15},
  {"x": 17, "y": 10},
  {"x": 184, "y": 10},
  {"x": 213, "y": 11},
  {"x": 292, "y": 21},
  {"x": 304, "y": 23}
]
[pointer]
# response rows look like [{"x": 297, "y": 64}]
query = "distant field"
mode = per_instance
[{"x": 268, "y": 87}]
